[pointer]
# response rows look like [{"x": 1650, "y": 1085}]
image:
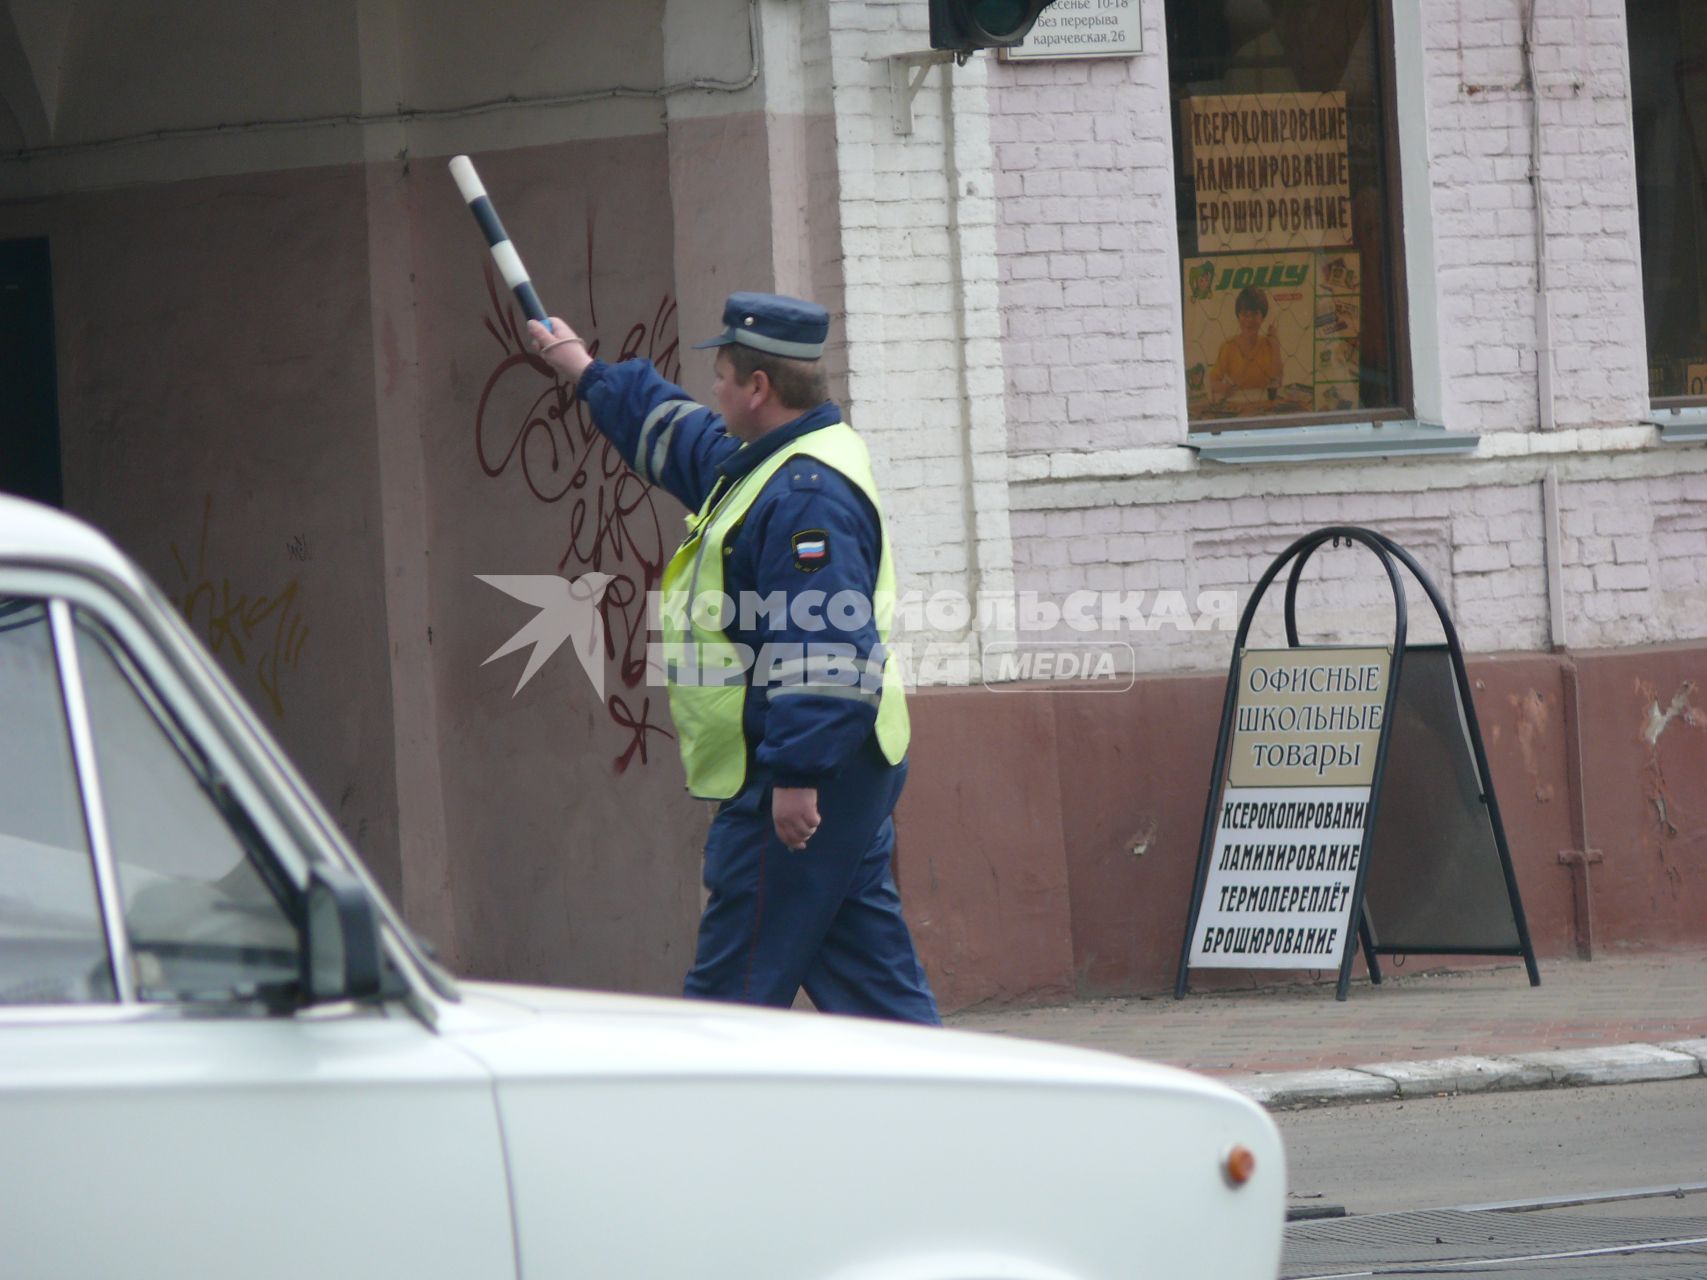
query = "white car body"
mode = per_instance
[{"x": 480, "y": 1130}]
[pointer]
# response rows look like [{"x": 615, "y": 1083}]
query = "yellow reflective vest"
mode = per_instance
[{"x": 708, "y": 674}]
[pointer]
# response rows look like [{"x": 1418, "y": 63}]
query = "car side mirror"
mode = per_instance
[{"x": 340, "y": 954}]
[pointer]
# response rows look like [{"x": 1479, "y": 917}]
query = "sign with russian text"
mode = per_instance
[
  {"x": 1083, "y": 29},
  {"x": 1289, "y": 829},
  {"x": 1269, "y": 170}
]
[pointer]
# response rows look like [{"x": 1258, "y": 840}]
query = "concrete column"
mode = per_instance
[
  {"x": 739, "y": 158},
  {"x": 424, "y": 870}
]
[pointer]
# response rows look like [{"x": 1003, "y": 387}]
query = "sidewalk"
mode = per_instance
[{"x": 1420, "y": 1032}]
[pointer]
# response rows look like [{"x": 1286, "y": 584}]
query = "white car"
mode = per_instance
[{"x": 223, "y": 1054}]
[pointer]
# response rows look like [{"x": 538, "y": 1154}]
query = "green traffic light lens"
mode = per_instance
[{"x": 1000, "y": 19}]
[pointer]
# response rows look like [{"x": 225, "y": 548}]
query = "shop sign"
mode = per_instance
[
  {"x": 1290, "y": 824},
  {"x": 1269, "y": 170}
]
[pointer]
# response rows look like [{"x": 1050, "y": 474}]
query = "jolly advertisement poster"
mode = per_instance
[{"x": 1272, "y": 333}]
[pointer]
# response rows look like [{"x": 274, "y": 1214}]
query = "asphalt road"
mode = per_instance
[
  {"x": 1482, "y": 1148},
  {"x": 1402, "y": 1170}
]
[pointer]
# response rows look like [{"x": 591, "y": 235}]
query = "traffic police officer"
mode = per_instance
[{"x": 788, "y": 707}]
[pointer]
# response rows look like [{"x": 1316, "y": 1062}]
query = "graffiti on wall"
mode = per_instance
[
  {"x": 530, "y": 425},
  {"x": 259, "y": 632}
]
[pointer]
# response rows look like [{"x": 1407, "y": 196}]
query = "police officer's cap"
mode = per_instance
[{"x": 769, "y": 322}]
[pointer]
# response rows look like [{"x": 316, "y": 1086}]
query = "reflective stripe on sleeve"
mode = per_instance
[
  {"x": 649, "y": 462},
  {"x": 839, "y": 668},
  {"x": 834, "y": 689}
]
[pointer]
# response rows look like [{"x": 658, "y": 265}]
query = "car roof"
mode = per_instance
[{"x": 36, "y": 534}]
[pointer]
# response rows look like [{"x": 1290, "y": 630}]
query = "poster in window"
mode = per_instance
[
  {"x": 1269, "y": 170},
  {"x": 1272, "y": 333}
]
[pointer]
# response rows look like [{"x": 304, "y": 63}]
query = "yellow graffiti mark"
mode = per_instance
[{"x": 237, "y": 622}]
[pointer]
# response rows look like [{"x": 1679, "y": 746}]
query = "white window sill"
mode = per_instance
[
  {"x": 1680, "y": 426},
  {"x": 1340, "y": 441}
]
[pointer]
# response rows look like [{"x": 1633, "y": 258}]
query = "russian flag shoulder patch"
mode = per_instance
[{"x": 811, "y": 550}]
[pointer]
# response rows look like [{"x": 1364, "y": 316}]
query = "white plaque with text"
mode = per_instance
[{"x": 1084, "y": 29}]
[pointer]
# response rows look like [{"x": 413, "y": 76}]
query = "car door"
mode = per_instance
[{"x": 167, "y": 1108}]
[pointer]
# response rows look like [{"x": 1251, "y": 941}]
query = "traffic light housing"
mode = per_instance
[{"x": 965, "y": 25}]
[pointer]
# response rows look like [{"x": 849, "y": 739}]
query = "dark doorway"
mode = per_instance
[{"x": 29, "y": 399}]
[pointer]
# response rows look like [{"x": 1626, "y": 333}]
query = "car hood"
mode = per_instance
[{"x": 524, "y": 1031}]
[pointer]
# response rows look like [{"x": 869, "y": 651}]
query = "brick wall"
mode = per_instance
[
  {"x": 919, "y": 270},
  {"x": 1089, "y": 260},
  {"x": 1480, "y": 546},
  {"x": 1481, "y": 154},
  {"x": 1093, "y": 361},
  {"x": 1635, "y": 557}
]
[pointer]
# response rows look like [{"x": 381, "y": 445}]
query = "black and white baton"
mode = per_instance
[{"x": 497, "y": 239}]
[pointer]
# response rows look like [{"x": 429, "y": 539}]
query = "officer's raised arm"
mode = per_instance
[{"x": 667, "y": 437}]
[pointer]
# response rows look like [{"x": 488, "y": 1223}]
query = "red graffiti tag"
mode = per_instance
[{"x": 612, "y": 525}]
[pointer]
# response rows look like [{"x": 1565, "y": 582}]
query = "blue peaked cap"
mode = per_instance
[{"x": 770, "y": 322}]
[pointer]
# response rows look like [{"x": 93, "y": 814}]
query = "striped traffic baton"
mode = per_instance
[{"x": 497, "y": 239}]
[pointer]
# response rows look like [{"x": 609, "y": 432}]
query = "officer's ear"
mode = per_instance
[{"x": 762, "y": 385}]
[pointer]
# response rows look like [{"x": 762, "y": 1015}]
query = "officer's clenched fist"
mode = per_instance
[{"x": 795, "y": 812}]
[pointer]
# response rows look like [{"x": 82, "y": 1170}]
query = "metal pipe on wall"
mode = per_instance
[{"x": 1543, "y": 300}]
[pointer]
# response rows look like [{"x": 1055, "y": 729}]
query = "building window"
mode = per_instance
[
  {"x": 1668, "y": 101},
  {"x": 1284, "y": 144}
]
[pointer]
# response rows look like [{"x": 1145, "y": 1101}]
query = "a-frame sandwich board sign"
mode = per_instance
[{"x": 1350, "y": 801}]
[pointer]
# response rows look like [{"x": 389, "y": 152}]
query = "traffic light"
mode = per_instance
[{"x": 965, "y": 25}]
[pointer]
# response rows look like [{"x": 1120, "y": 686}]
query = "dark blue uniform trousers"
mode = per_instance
[{"x": 826, "y": 917}]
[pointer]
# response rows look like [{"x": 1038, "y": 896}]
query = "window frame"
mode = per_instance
[
  {"x": 84, "y": 632},
  {"x": 1203, "y": 431},
  {"x": 290, "y": 828},
  {"x": 1682, "y": 410}
]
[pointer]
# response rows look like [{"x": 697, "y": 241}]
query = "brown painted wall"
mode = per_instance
[
  {"x": 1048, "y": 836},
  {"x": 1647, "y": 792},
  {"x": 573, "y": 849},
  {"x": 220, "y": 401},
  {"x": 216, "y": 400},
  {"x": 979, "y": 850}
]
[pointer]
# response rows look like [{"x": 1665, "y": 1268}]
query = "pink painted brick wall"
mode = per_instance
[
  {"x": 1092, "y": 369},
  {"x": 1088, "y": 266},
  {"x": 1480, "y": 546},
  {"x": 1482, "y": 152},
  {"x": 1634, "y": 555}
]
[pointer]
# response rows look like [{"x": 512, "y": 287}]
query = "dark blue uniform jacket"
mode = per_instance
[{"x": 669, "y": 440}]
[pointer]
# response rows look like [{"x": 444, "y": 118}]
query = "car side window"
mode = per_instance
[
  {"x": 204, "y": 906},
  {"x": 53, "y": 948}
]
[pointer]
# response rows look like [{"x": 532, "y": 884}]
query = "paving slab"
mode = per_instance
[
  {"x": 1613, "y": 1064},
  {"x": 1466, "y": 1073},
  {"x": 1313, "y": 1088}
]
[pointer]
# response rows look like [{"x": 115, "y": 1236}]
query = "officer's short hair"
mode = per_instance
[{"x": 800, "y": 384}]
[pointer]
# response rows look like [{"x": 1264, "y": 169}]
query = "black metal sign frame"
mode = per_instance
[{"x": 1387, "y": 552}]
